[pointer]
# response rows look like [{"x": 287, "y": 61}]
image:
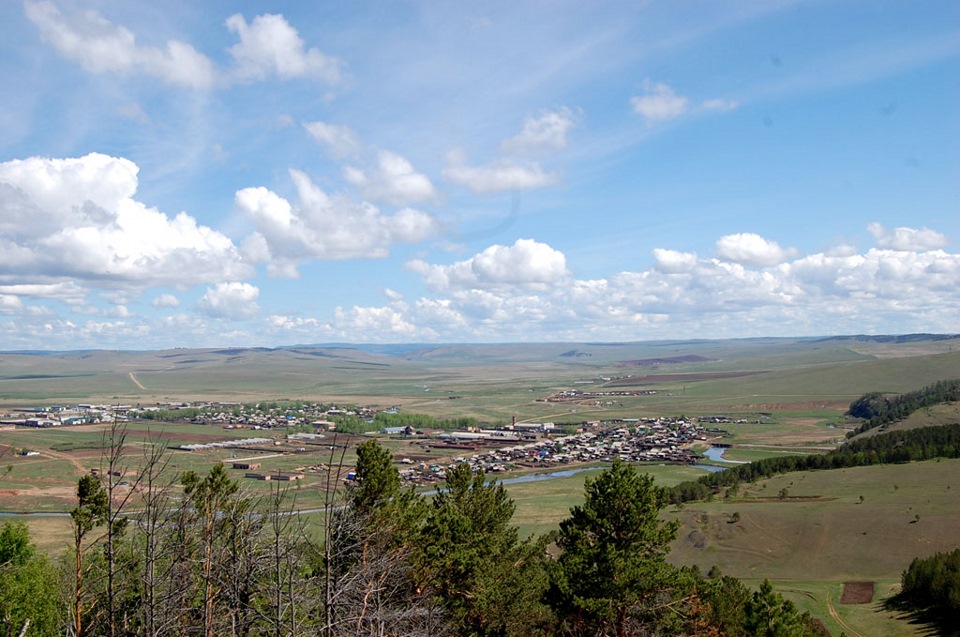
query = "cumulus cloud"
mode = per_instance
[
  {"x": 527, "y": 263},
  {"x": 395, "y": 181},
  {"x": 100, "y": 46},
  {"x": 907, "y": 238},
  {"x": 748, "y": 248},
  {"x": 486, "y": 298},
  {"x": 321, "y": 226},
  {"x": 270, "y": 46},
  {"x": 544, "y": 133},
  {"x": 498, "y": 177},
  {"x": 672, "y": 262},
  {"x": 387, "y": 322},
  {"x": 658, "y": 103},
  {"x": 340, "y": 140},
  {"x": 232, "y": 300},
  {"x": 165, "y": 301},
  {"x": 76, "y": 219}
]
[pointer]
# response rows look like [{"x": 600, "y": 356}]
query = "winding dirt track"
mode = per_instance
[
  {"x": 839, "y": 620},
  {"x": 135, "y": 381}
]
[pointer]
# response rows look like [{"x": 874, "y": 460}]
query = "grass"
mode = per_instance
[
  {"x": 823, "y": 535},
  {"x": 817, "y": 598}
]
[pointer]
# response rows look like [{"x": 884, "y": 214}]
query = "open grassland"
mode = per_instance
[
  {"x": 699, "y": 376},
  {"x": 821, "y": 534}
]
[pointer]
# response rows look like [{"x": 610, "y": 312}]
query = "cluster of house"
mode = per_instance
[
  {"x": 57, "y": 416},
  {"x": 653, "y": 440},
  {"x": 253, "y": 471},
  {"x": 576, "y": 395}
]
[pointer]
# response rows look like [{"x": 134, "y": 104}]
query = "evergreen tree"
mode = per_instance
[
  {"x": 769, "y": 615},
  {"x": 489, "y": 581},
  {"x": 612, "y": 574},
  {"x": 28, "y": 584}
]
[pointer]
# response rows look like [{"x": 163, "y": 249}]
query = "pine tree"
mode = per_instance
[{"x": 612, "y": 575}]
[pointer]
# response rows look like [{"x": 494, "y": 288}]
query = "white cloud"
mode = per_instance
[
  {"x": 270, "y": 46},
  {"x": 658, "y": 103},
  {"x": 683, "y": 295},
  {"x": 230, "y": 300},
  {"x": 76, "y": 219},
  {"x": 748, "y": 248},
  {"x": 672, "y": 262},
  {"x": 386, "y": 323},
  {"x": 100, "y": 46},
  {"x": 165, "y": 301},
  {"x": 499, "y": 177},
  {"x": 545, "y": 133},
  {"x": 907, "y": 238},
  {"x": 395, "y": 181},
  {"x": 320, "y": 226},
  {"x": 527, "y": 263},
  {"x": 340, "y": 140},
  {"x": 10, "y": 304}
]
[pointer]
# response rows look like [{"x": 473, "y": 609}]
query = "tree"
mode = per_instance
[
  {"x": 489, "y": 581},
  {"x": 369, "y": 587},
  {"x": 27, "y": 586},
  {"x": 210, "y": 497},
  {"x": 92, "y": 510},
  {"x": 612, "y": 573},
  {"x": 377, "y": 479},
  {"x": 769, "y": 615},
  {"x": 15, "y": 546}
]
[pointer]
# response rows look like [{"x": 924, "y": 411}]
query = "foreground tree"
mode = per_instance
[
  {"x": 489, "y": 581},
  {"x": 28, "y": 584},
  {"x": 612, "y": 577},
  {"x": 368, "y": 567},
  {"x": 769, "y": 615},
  {"x": 92, "y": 511},
  {"x": 212, "y": 504}
]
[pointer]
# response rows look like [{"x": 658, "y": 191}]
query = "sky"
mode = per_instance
[{"x": 209, "y": 174}]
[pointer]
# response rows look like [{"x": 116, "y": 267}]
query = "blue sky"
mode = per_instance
[{"x": 184, "y": 174}]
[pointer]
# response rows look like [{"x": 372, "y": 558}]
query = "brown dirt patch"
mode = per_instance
[{"x": 857, "y": 593}]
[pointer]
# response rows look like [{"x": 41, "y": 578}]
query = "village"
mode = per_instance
[
  {"x": 662, "y": 440},
  {"x": 425, "y": 454}
]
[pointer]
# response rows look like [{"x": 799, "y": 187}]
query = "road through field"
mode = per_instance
[
  {"x": 135, "y": 381},
  {"x": 839, "y": 620}
]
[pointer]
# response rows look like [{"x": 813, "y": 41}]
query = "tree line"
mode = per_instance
[
  {"x": 931, "y": 586},
  {"x": 200, "y": 557},
  {"x": 382, "y": 420},
  {"x": 924, "y": 443},
  {"x": 876, "y": 409}
]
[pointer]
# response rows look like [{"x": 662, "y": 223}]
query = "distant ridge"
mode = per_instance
[{"x": 890, "y": 338}]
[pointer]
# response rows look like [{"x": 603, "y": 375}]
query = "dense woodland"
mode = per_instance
[
  {"x": 196, "y": 556},
  {"x": 877, "y": 410},
  {"x": 932, "y": 586},
  {"x": 924, "y": 443}
]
